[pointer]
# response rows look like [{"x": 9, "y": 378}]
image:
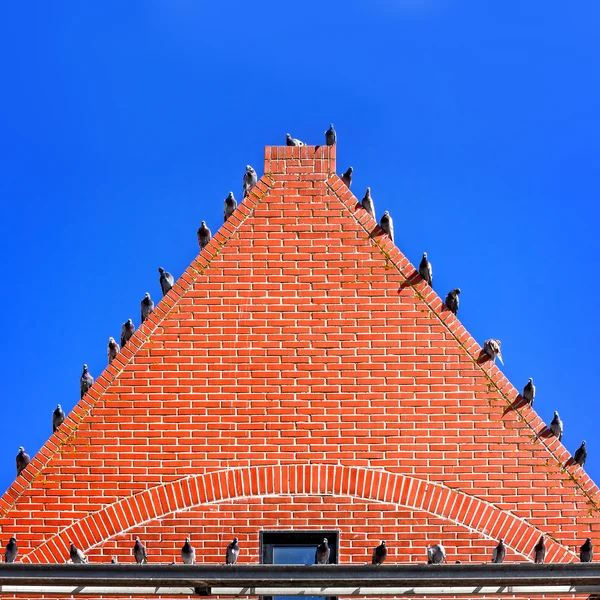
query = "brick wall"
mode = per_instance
[{"x": 300, "y": 375}]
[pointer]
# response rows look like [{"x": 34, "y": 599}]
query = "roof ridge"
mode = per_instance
[
  {"x": 458, "y": 331},
  {"x": 140, "y": 336}
]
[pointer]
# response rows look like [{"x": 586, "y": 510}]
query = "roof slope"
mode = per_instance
[{"x": 300, "y": 338}]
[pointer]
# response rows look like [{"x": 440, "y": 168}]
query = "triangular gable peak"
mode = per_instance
[{"x": 301, "y": 346}]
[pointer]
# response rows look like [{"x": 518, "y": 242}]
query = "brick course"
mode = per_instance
[{"x": 301, "y": 375}]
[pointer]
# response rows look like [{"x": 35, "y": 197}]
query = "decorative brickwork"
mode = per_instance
[{"x": 301, "y": 375}]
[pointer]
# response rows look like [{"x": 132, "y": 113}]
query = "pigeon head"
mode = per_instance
[
  {"x": 129, "y": 322},
  {"x": 386, "y": 214},
  {"x": 58, "y": 407},
  {"x": 137, "y": 539},
  {"x": 147, "y": 296},
  {"x": 583, "y": 443},
  {"x": 531, "y": 380},
  {"x": 14, "y": 539},
  {"x": 235, "y": 540},
  {"x": 325, "y": 540},
  {"x": 368, "y": 191},
  {"x": 111, "y": 340},
  {"x": 188, "y": 539},
  {"x": 502, "y": 541},
  {"x": 21, "y": 449},
  {"x": 161, "y": 270},
  {"x": 287, "y": 137},
  {"x": 85, "y": 368},
  {"x": 456, "y": 291},
  {"x": 425, "y": 255},
  {"x": 350, "y": 169},
  {"x": 230, "y": 196},
  {"x": 588, "y": 540},
  {"x": 556, "y": 414},
  {"x": 71, "y": 544},
  {"x": 203, "y": 224},
  {"x": 113, "y": 560},
  {"x": 383, "y": 543}
]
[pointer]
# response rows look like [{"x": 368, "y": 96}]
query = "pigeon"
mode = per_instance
[
  {"x": 367, "y": 203},
  {"x": 22, "y": 460},
  {"x": 147, "y": 306},
  {"x": 139, "y": 552},
  {"x": 290, "y": 141},
  {"x": 250, "y": 180},
  {"x": 330, "y": 136},
  {"x": 77, "y": 556},
  {"x": 113, "y": 349},
  {"x": 580, "y": 454},
  {"x": 167, "y": 281},
  {"x": 499, "y": 553},
  {"x": 425, "y": 270},
  {"x": 58, "y": 418},
  {"x": 379, "y": 554},
  {"x": 232, "y": 552},
  {"x": 586, "y": 552},
  {"x": 452, "y": 300},
  {"x": 387, "y": 224},
  {"x": 436, "y": 554},
  {"x": 229, "y": 206},
  {"x": 539, "y": 552},
  {"x": 322, "y": 552},
  {"x": 188, "y": 554},
  {"x": 114, "y": 560},
  {"x": 556, "y": 426},
  {"x": 203, "y": 235},
  {"x": 347, "y": 177},
  {"x": 86, "y": 381},
  {"x": 529, "y": 392},
  {"x": 127, "y": 330},
  {"x": 492, "y": 349},
  {"x": 11, "y": 550}
]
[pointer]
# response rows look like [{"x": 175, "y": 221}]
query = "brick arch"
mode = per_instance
[{"x": 285, "y": 480}]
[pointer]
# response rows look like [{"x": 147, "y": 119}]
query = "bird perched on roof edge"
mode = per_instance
[
  {"x": 499, "y": 553},
  {"x": 250, "y": 180},
  {"x": 188, "y": 553},
  {"x": 112, "y": 349},
  {"x": 379, "y": 554},
  {"x": 77, "y": 556},
  {"x": 322, "y": 553},
  {"x": 204, "y": 235},
  {"x": 425, "y": 270},
  {"x": 539, "y": 551},
  {"x": 387, "y": 224},
  {"x": 290, "y": 141},
  {"x": 347, "y": 177},
  {"x": 492, "y": 348},
  {"x": 58, "y": 417},
  {"x": 330, "y": 136},
  {"x": 436, "y": 554},
  {"x": 229, "y": 206},
  {"x": 167, "y": 281},
  {"x": 556, "y": 426},
  {"x": 368, "y": 204},
  {"x": 86, "y": 381},
  {"x": 11, "y": 551},
  {"x": 147, "y": 306},
  {"x": 580, "y": 455},
  {"x": 232, "y": 552},
  {"x": 529, "y": 392},
  {"x": 127, "y": 331},
  {"x": 452, "y": 300},
  {"x": 22, "y": 460},
  {"x": 139, "y": 552},
  {"x": 586, "y": 552}
]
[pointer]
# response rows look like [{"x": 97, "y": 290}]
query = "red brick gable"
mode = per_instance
[{"x": 300, "y": 364}]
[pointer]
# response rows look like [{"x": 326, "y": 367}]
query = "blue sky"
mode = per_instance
[{"x": 123, "y": 125}]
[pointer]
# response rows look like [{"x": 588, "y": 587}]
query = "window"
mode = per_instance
[{"x": 296, "y": 548}]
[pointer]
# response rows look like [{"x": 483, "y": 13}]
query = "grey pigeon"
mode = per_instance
[
  {"x": 539, "y": 552},
  {"x": 112, "y": 350},
  {"x": 347, "y": 177},
  {"x": 580, "y": 454},
  {"x": 232, "y": 552},
  {"x": 379, "y": 554},
  {"x": 114, "y": 560},
  {"x": 290, "y": 141},
  {"x": 229, "y": 206},
  {"x": 387, "y": 224},
  {"x": 436, "y": 554},
  {"x": 368, "y": 204},
  {"x": 167, "y": 281},
  {"x": 322, "y": 553},
  {"x": 22, "y": 460},
  {"x": 188, "y": 554},
  {"x": 58, "y": 418},
  {"x": 147, "y": 306},
  {"x": 127, "y": 331},
  {"x": 586, "y": 552},
  {"x": 556, "y": 426},
  {"x": 11, "y": 550},
  {"x": 77, "y": 556},
  {"x": 425, "y": 270},
  {"x": 529, "y": 392},
  {"x": 203, "y": 235},
  {"x": 250, "y": 180},
  {"x": 499, "y": 553},
  {"x": 492, "y": 348},
  {"x": 86, "y": 381},
  {"x": 330, "y": 136},
  {"x": 139, "y": 552},
  {"x": 452, "y": 300}
]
